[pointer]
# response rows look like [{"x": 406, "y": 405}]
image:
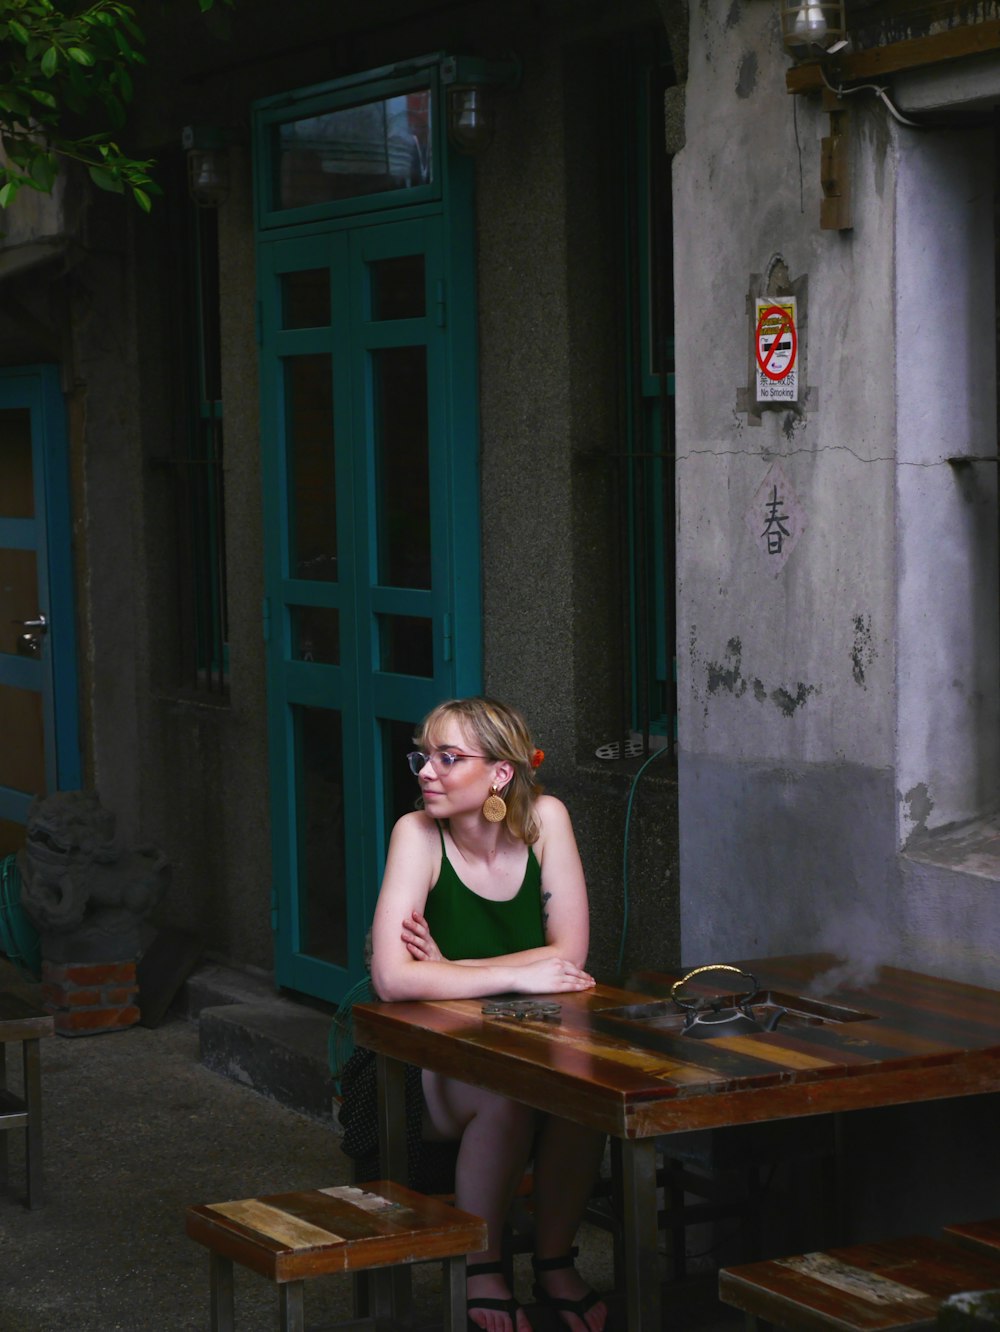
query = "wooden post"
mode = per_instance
[{"x": 835, "y": 167}]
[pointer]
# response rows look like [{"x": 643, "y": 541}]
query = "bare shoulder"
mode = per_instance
[
  {"x": 554, "y": 820},
  {"x": 415, "y": 829},
  {"x": 411, "y": 864},
  {"x": 551, "y": 810}
]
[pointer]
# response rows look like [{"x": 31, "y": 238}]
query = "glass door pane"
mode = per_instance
[
  {"x": 399, "y": 376},
  {"x": 17, "y": 493},
  {"x": 312, "y": 520},
  {"x": 375, "y": 146},
  {"x": 322, "y": 895}
]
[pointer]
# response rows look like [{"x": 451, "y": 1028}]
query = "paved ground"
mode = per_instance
[{"x": 135, "y": 1131}]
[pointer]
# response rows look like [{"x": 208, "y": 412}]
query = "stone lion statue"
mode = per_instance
[{"x": 85, "y": 894}]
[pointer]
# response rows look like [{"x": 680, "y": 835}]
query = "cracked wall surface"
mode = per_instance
[{"x": 843, "y": 699}]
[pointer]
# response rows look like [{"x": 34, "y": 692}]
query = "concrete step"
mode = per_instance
[{"x": 276, "y": 1045}]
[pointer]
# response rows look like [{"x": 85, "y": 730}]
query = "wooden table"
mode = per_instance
[
  {"x": 617, "y": 1061},
  {"x": 19, "y": 1021}
]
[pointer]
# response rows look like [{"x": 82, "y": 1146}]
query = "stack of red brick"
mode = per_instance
[{"x": 88, "y": 997}]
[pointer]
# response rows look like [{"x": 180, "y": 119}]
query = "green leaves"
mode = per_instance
[{"x": 61, "y": 58}]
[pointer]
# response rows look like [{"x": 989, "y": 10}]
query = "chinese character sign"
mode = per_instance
[{"x": 775, "y": 518}]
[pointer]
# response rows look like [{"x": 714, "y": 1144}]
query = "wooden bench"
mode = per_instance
[
  {"x": 885, "y": 1287},
  {"x": 291, "y": 1237},
  {"x": 20, "y": 1021}
]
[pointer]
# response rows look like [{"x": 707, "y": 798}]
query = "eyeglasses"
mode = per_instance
[{"x": 442, "y": 759}]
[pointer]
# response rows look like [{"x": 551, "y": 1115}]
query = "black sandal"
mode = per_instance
[
  {"x": 557, "y": 1304},
  {"x": 509, "y": 1306}
]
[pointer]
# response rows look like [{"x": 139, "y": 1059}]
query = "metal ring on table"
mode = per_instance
[{"x": 694, "y": 1005}]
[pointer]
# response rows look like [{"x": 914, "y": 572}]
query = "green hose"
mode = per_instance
[
  {"x": 628, "y": 816},
  {"x": 18, "y": 937}
]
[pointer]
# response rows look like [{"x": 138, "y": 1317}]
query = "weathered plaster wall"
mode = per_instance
[
  {"x": 846, "y": 706},
  {"x": 786, "y": 679},
  {"x": 946, "y": 406}
]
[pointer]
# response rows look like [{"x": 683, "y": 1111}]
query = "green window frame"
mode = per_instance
[{"x": 644, "y": 72}]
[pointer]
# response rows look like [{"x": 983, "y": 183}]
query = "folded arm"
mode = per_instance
[{"x": 406, "y": 964}]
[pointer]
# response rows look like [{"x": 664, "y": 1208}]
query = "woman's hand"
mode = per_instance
[
  {"x": 416, "y": 935},
  {"x": 551, "y": 975}
]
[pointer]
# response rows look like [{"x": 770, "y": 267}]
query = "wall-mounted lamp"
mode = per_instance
[
  {"x": 207, "y": 149},
  {"x": 469, "y": 87},
  {"x": 471, "y": 121},
  {"x": 811, "y": 29}
]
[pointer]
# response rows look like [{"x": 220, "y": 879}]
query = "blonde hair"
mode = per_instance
[{"x": 500, "y": 732}]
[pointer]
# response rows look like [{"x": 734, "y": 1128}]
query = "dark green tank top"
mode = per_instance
[{"x": 463, "y": 924}]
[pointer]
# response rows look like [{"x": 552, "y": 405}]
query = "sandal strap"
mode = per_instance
[
  {"x": 552, "y": 1264},
  {"x": 580, "y": 1307},
  {"x": 507, "y": 1306},
  {"x": 484, "y": 1269}
]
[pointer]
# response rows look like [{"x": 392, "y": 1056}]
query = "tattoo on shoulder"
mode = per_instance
[{"x": 545, "y": 914}]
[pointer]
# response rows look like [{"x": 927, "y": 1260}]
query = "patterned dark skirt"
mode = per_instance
[{"x": 431, "y": 1164}]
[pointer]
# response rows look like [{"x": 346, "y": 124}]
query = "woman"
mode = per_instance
[{"x": 484, "y": 894}]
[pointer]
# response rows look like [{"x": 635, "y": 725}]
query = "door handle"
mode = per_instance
[{"x": 29, "y": 643}]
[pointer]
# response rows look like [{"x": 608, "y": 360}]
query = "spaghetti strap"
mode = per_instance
[{"x": 444, "y": 849}]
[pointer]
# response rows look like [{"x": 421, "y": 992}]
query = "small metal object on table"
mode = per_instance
[{"x": 20, "y": 1021}]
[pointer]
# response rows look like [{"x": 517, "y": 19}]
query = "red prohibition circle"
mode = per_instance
[{"x": 786, "y": 322}]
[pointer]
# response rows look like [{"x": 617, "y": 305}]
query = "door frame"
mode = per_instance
[
  {"x": 446, "y": 206},
  {"x": 38, "y": 389}
]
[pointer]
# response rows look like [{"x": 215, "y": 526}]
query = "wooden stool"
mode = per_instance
[
  {"x": 291, "y": 1237},
  {"x": 981, "y": 1235},
  {"x": 897, "y": 1284},
  {"x": 19, "y": 1021}
]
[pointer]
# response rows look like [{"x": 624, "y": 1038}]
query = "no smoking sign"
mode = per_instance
[{"x": 776, "y": 350}]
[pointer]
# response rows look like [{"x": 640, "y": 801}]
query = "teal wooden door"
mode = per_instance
[
  {"x": 371, "y": 535},
  {"x": 39, "y": 734}
]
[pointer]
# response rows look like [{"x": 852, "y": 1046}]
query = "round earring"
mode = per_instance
[{"x": 494, "y": 807}]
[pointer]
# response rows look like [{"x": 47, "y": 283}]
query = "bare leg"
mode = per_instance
[
  {"x": 567, "y": 1161},
  {"x": 495, "y": 1142}
]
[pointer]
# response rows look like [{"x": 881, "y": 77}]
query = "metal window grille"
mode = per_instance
[{"x": 204, "y": 613}]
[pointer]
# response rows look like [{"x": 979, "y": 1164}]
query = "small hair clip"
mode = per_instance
[{"x": 536, "y": 758}]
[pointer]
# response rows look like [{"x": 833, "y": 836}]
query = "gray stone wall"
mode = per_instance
[{"x": 835, "y": 706}]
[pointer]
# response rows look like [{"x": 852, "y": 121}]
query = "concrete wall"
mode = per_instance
[
  {"x": 834, "y": 708},
  {"x": 946, "y": 406},
  {"x": 838, "y": 717},
  {"x": 787, "y": 722}
]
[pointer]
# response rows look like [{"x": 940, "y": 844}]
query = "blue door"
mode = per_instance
[
  {"x": 39, "y": 738},
  {"x": 370, "y": 463}
]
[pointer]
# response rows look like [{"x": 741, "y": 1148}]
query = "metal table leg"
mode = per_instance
[
  {"x": 220, "y": 1285},
  {"x": 32, "y": 1059},
  {"x": 291, "y": 1307},
  {"x": 455, "y": 1316},
  {"x": 642, "y": 1274},
  {"x": 392, "y": 1286},
  {"x": 393, "y": 1161},
  {"x": 3, "y": 1135}
]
